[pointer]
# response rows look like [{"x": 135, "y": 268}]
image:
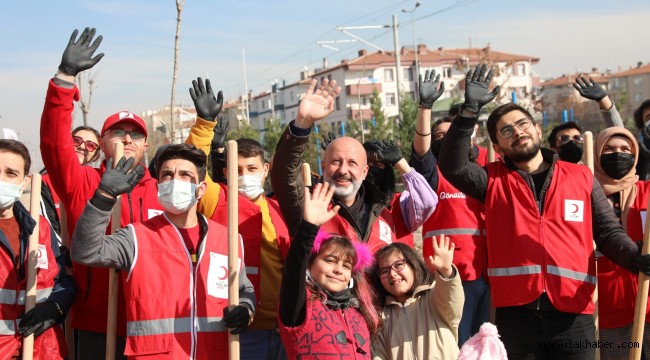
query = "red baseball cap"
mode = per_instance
[{"x": 124, "y": 116}]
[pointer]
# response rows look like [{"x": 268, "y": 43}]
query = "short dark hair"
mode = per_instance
[
  {"x": 18, "y": 148},
  {"x": 248, "y": 148},
  {"x": 500, "y": 112},
  {"x": 440, "y": 121},
  {"x": 638, "y": 114},
  {"x": 421, "y": 273},
  {"x": 187, "y": 152},
  {"x": 552, "y": 137},
  {"x": 372, "y": 151},
  {"x": 97, "y": 135}
]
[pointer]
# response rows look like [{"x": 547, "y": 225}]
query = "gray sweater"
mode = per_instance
[{"x": 92, "y": 247}]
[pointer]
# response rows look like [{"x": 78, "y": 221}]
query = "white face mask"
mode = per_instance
[
  {"x": 250, "y": 186},
  {"x": 177, "y": 196},
  {"x": 9, "y": 194}
]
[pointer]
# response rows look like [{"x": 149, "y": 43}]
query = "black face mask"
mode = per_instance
[
  {"x": 382, "y": 179},
  {"x": 571, "y": 152},
  {"x": 617, "y": 165},
  {"x": 436, "y": 145}
]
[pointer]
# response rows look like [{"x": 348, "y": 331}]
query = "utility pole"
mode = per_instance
[
  {"x": 398, "y": 66},
  {"x": 245, "y": 97},
  {"x": 415, "y": 48}
]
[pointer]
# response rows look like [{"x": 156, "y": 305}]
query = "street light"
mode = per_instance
[{"x": 415, "y": 48}]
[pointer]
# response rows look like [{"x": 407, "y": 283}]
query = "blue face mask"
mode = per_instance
[
  {"x": 177, "y": 196},
  {"x": 9, "y": 194}
]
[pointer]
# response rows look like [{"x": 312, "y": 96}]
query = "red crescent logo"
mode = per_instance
[
  {"x": 576, "y": 208},
  {"x": 225, "y": 273}
]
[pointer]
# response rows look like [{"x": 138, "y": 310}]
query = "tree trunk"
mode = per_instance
[
  {"x": 179, "y": 10},
  {"x": 85, "y": 102}
]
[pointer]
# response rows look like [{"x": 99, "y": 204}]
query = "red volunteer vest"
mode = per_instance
[
  {"x": 281, "y": 231},
  {"x": 174, "y": 309},
  {"x": 381, "y": 233},
  {"x": 51, "y": 344},
  {"x": 327, "y": 334},
  {"x": 617, "y": 287},
  {"x": 394, "y": 212},
  {"x": 89, "y": 311},
  {"x": 530, "y": 253},
  {"x": 250, "y": 229},
  {"x": 461, "y": 218}
]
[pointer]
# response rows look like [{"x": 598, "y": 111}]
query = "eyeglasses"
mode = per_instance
[
  {"x": 576, "y": 138},
  {"x": 397, "y": 266},
  {"x": 88, "y": 145},
  {"x": 509, "y": 130},
  {"x": 121, "y": 133}
]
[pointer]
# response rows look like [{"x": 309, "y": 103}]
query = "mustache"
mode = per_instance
[{"x": 341, "y": 177}]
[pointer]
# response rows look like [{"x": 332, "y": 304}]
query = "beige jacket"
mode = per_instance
[{"x": 426, "y": 326}]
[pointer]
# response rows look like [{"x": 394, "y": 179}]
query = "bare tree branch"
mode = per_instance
[
  {"x": 85, "y": 97},
  {"x": 179, "y": 10}
]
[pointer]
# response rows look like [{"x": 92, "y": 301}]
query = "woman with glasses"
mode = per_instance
[
  {"x": 422, "y": 306},
  {"x": 616, "y": 155},
  {"x": 86, "y": 145}
]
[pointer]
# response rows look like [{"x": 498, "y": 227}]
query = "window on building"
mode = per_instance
[
  {"x": 521, "y": 69},
  {"x": 364, "y": 100},
  {"x": 390, "y": 99},
  {"x": 291, "y": 96},
  {"x": 263, "y": 105},
  {"x": 329, "y": 77},
  {"x": 337, "y": 104},
  {"x": 638, "y": 80},
  {"x": 388, "y": 75},
  {"x": 638, "y": 97},
  {"x": 446, "y": 72},
  {"x": 408, "y": 74}
]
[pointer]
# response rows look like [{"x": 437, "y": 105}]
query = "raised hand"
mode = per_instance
[
  {"x": 443, "y": 256},
  {"x": 206, "y": 105},
  {"x": 429, "y": 89},
  {"x": 327, "y": 139},
  {"x": 316, "y": 204},
  {"x": 220, "y": 134},
  {"x": 118, "y": 180},
  {"x": 318, "y": 103},
  {"x": 78, "y": 55},
  {"x": 589, "y": 89},
  {"x": 477, "y": 84},
  {"x": 390, "y": 153}
]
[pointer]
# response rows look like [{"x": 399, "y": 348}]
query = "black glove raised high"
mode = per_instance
[
  {"x": 476, "y": 89},
  {"x": 429, "y": 91},
  {"x": 118, "y": 180},
  {"x": 77, "y": 56},
  {"x": 390, "y": 153},
  {"x": 39, "y": 319},
  {"x": 237, "y": 319},
  {"x": 589, "y": 89},
  {"x": 220, "y": 134},
  {"x": 206, "y": 105},
  {"x": 327, "y": 140}
]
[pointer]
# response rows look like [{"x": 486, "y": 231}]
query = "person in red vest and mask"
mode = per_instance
[
  {"x": 541, "y": 216},
  {"x": 174, "y": 266}
]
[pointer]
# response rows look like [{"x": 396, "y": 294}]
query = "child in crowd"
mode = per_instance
[
  {"x": 422, "y": 307},
  {"x": 326, "y": 306}
]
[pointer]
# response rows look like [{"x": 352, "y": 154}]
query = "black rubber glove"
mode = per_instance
[
  {"x": 642, "y": 261},
  {"x": 237, "y": 319},
  {"x": 77, "y": 56},
  {"x": 327, "y": 140},
  {"x": 220, "y": 134},
  {"x": 429, "y": 90},
  {"x": 476, "y": 89},
  {"x": 117, "y": 181},
  {"x": 207, "y": 107},
  {"x": 39, "y": 319},
  {"x": 390, "y": 153},
  {"x": 590, "y": 89}
]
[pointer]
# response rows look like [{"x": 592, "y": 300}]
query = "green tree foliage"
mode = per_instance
[
  {"x": 406, "y": 128},
  {"x": 272, "y": 132},
  {"x": 382, "y": 129},
  {"x": 245, "y": 130}
]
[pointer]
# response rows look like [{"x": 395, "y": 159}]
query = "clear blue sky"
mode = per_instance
[{"x": 280, "y": 38}]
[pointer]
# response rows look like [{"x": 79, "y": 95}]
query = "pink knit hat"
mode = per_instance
[{"x": 485, "y": 345}]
